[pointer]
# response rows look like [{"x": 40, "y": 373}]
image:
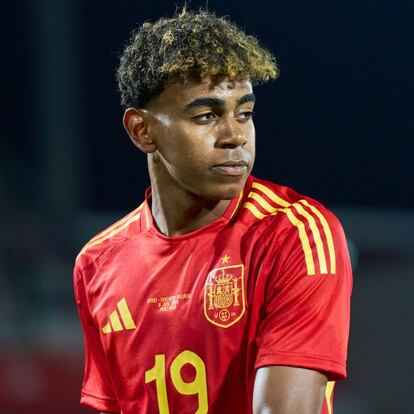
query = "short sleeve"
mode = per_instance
[
  {"x": 307, "y": 296},
  {"x": 97, "y": 391}
]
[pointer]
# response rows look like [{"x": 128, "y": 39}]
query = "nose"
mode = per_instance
[{"x": 231, "y": 133}]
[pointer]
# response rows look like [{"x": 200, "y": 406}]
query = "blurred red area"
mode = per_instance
[{"x": 33, "y": 382}]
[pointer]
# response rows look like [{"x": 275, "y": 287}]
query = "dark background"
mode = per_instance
[{"x": 337, "y": 125}]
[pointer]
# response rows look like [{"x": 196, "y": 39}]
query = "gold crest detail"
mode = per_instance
[{"x": 224, "y": 301}]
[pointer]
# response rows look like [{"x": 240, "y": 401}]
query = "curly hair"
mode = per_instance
[{"x": 189, "y": 44}]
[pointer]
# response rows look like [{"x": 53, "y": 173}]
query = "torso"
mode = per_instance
[{"x": 178, "y": 316}]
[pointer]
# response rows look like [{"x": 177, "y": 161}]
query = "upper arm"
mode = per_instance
[
  {"x": 288, "y": 390},
  {"x": 97, "y": 390},
  {"x": 302, "y": 338},
  {"x": 306, "y": 315}
]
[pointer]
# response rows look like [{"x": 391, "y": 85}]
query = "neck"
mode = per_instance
[
  {"x": 180, "y": 214},
  {"x": 177, "y": 211}
]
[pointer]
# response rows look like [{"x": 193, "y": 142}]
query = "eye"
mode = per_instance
[
  {"x": 245, "y": 115},
  {"x": 204, "y": 118}
]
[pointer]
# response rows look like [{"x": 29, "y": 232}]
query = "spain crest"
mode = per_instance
[{"x": 224, "y": 301}]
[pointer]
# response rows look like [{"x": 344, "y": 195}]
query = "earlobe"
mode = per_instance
[{"x": 136, "y": 125}]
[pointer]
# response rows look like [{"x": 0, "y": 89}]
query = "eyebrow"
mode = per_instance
[
  {"x": 247, "y": 98},
  {"x": 207, "y": 101}
]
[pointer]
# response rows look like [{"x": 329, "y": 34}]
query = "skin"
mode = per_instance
[
  {"x": 188, "y": 132},
  {"x": 288, "y": 390}
]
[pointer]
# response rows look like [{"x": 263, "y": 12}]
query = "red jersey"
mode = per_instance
[{"x": 180, "y": 324}]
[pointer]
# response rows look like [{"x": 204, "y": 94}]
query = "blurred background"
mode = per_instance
[{"x": 337, "y": 125}]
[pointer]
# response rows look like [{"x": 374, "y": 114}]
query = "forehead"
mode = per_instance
[{"x": 182, "y": 92}]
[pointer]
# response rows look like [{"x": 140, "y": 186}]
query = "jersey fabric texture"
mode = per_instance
[{"x": 181, "y": 324}]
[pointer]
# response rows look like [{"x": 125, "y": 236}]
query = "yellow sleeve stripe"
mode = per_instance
[
  {"x": 274, "y": 197},
  {"x": 117, "y": 224},
  {"x": 256, "y": 196},
  {"x": 316, "y": 236},
  {"x": 328, "y": 235},
  {"x": 254, "y": 210},
  {"x": 309, "y": 219},
  {"x": 110, "y": 234},
  {"x": 328, "y": 395},
  {"x": 312, "y": 225},
  {"x": 310, "y": 265}
]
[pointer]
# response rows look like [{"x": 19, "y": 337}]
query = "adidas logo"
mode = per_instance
[{"x": 115, "y": 324}]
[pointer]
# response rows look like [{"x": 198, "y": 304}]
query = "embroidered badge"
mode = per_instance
[{"x": 224, "y": 299}]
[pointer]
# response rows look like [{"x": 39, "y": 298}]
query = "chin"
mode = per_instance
[{"x": 226, "y": 191}]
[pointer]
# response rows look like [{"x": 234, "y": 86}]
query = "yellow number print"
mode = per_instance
[
  {"x": 197, "y": 386},
  {"x": 157, "y": 373}
]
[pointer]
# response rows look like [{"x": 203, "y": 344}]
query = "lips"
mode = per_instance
[{"x": 231, "y": 168}]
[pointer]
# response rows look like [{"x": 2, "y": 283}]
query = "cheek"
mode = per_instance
[
  {"x": 250, "y": 134},
  {"x": 195, "y": 144},
  {"x": 186, "y": 150}
]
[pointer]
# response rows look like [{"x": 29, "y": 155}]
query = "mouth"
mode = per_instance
[{"x": 231, "y": 168}]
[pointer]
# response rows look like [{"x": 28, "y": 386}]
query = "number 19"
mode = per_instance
[{"x": 197, "y": 386}]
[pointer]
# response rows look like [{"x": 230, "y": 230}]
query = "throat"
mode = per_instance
[{"x": 176, "y": 217}]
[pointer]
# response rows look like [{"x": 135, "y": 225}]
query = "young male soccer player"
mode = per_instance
[{"x": 221, "y": 292}]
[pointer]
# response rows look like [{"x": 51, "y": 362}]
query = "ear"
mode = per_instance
[{"x": 136, "y": 125}]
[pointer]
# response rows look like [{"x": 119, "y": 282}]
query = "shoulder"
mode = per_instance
[
  {"x": 289, "y": 220},
  {"x": 265, "y": 199},
  {"x": 107, "y": 239}
]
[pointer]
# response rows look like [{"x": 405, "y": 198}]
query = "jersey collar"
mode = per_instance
[{"x": 230, "y": 214}]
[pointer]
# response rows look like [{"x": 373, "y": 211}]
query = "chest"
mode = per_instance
[
  {"x": 186, "y": 305},
  {"x": 194, "y": 291}
]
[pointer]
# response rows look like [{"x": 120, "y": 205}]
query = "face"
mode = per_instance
[{"x": 204, "y": 137}]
